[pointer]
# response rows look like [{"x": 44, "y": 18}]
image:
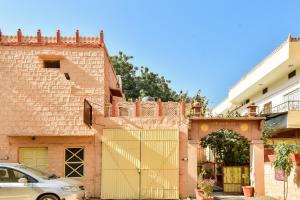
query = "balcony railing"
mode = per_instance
[
  {"x": 144, "y": 109},
  {"x": 284, "y": 107}
]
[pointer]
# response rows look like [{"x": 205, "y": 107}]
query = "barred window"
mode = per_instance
[{"x": 74, "y": 158}]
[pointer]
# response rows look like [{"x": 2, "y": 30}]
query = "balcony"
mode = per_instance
[
  {"x": 284, "y": 116},
  {"x": 281, "y": 108}
]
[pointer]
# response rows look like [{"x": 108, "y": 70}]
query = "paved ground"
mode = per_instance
[{"x": 222, "y": 196}]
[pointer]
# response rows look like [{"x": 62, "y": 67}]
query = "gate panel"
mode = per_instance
[
  {"x": 234, "y": 177},
  {"x": 140, "y": 164},
  {"x": 34, "y": 157},
  {"x": 120, "y": 164},
  {"x": 160, "y": 164}
]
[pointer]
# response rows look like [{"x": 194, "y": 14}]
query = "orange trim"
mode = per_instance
[{"x": 34, "y": 44}]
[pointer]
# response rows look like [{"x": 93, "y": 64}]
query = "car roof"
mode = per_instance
[{"x": 10, "y": 164}]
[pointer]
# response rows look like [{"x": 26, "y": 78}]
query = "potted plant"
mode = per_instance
[
  {"x": 248, "y": 191},
  {"x": 199, "y": 104},
  {"x": 204, "y": 188},
  {"x": 283, "y": 163}
]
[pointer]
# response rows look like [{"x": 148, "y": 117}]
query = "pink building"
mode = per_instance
[{"x": 62, "y": 110}]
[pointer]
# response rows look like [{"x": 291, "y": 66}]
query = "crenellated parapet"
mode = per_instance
[{"x": 58, "y": 40}]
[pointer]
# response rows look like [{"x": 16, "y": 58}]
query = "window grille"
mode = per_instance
[{"x": 74, "y": 162}]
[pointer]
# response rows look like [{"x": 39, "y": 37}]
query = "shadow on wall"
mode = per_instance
[
  {"x": 80, "y": 77},
  {"x": 28, "y": 97}
]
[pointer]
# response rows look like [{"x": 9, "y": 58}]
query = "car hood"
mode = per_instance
[{"x": 66, "y": 182}]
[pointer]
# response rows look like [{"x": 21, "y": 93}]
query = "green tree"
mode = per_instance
[
  {"x": 127, "y": 71},
  {"x": 151, "y": 84},
  {"x": 283, "y": 162},
  {"x": 229, "y": 147},
  {"x": 141, "y": 82}
]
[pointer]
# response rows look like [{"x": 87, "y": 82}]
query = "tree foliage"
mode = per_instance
[
  {"x": 268, "y": 131},
  {"x": 229, "y": 147},
  {"x": 127, "y": 71},
  {"x": 283, "y": 162},
  {"x": 141, "y": 82}
]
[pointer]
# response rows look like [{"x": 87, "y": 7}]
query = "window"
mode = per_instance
[
  {"x": 292, "y": 74},
  {"x": 245, "y": 102},
  {"x": 51, "y": 63},
  {"x": 8, "y": 175},
  {"x": 87, "y": 113},
  {"x": 74, "y": 158},
  {"x": 268, "y": 108},
  {"x": 4, "y": 175},
  {"x": 67, "y": 76},
  {"x": 264, "y": 91}
]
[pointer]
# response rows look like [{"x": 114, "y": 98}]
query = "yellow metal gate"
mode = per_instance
[
  {"x": 34, "y": 157},
  {"x": 234, "y": 177},
  {"x": 140, "y": 164}
]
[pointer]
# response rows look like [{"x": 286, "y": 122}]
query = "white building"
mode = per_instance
[{"x": 273, "y": 85}]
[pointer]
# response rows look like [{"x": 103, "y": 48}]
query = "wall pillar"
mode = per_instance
[
  {"x": 192, "y": 167},
  {"x": 257, "y": 166}
]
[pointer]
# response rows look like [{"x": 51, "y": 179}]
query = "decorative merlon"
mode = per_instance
[{"x": 39, "y": 40}]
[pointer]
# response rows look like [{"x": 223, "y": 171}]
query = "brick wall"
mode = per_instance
[
  {"x": 56, "y": 156},
  {"x": 40, "y": 101},
  {"x": 274, "y": 188}
]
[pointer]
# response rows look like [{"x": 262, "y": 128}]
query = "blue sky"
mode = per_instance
[{"x": 207, "y": 45}]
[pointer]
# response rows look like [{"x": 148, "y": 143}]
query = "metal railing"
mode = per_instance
[{"x": 283, "y": 107}]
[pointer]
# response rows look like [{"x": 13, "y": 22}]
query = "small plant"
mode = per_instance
[
  {"x": 283, "y": 162},
  {"x": 205, "y": 185},
  {"x": 268, "y": 131},
  {"x": 202, "y": 101}
]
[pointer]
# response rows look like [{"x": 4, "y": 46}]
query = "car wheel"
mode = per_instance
[{"x": 49, "y": 197}]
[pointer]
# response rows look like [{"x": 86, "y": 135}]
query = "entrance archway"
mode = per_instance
[{"x": 249, "y": 127}]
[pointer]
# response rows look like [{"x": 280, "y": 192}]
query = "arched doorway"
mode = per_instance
[
  {"x": 224, "y": 155},
  {"x": 249, "y": 127}
]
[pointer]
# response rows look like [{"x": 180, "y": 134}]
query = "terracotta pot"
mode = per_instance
[
  {"x": 280, "y": 175},
  {"x": 199, "y": 195},
  {"x": 248, "y": 191}
]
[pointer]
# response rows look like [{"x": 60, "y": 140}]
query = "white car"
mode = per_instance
[{"x": 20, "y": 182}]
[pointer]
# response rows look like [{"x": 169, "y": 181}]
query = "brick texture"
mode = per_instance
[{"x": 40, "y": 101}]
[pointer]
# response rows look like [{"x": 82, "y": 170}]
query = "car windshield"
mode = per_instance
[{"x": 38, "y": 173}]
